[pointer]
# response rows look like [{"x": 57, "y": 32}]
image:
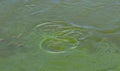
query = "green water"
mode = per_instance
[{"x": 59, "y": 35}]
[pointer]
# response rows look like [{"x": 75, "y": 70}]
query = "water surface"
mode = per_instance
[{"x": 59, "y": 35}]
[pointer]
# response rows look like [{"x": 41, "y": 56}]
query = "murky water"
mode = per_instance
[{"x": 59, "y": 35}]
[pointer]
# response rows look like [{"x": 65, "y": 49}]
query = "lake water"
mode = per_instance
[{"x": 59, "y": 35}]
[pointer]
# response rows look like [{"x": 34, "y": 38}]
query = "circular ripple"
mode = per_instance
[
  {"x": 59, "y": 36},
  {"x": 58, "y": 45},
  {"x": 51, "y": 27}
]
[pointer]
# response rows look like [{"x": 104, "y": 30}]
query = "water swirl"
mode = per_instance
[{"x": 60, "y": 37}]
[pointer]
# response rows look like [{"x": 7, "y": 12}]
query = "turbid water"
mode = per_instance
[{"x": 59, "y": 35}]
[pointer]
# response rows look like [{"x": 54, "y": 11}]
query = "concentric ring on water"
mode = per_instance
[
  {"x": 60, "y": 37},
  {"x": 58, "y": 45}
]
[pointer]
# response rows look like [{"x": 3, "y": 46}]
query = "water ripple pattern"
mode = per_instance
[{"x": 60, "y": 37}]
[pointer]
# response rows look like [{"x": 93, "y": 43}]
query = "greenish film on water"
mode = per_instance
[{"x": 59, "y": 35}]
